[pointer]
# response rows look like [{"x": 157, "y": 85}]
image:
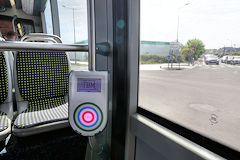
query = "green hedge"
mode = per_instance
[
  {"x": 154, "y": 59},
  {"x": 236, "y": 53}
]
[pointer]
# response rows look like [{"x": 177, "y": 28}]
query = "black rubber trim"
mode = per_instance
[{"x": 205, "y": 142}]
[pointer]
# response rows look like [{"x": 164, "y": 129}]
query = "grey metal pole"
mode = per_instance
[
  {"x": 179, "y": 62},
  {"x": 37, "y": 46},
  {"x": 91, "y": 35}
]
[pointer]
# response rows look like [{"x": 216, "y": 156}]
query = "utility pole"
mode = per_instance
[
  {"x": 74, "y": 30},
  {"x": 179, "y": 16},
  {"x": 178, "y": 28}
]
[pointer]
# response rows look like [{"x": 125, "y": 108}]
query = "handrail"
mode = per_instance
[
  {"x": 32, "y": 39},
  {"x": 41, "y": 36},
  {"x": 36, "y": 46}
]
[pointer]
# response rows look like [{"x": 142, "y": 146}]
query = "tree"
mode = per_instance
[
  {"x": 187, "y": 54},
  {"x": 192, "y": 50}
]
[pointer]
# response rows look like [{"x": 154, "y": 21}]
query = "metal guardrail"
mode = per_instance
[{"x": 33, "y": 46}]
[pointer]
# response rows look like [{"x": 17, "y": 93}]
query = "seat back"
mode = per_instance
[
  {"x": 3, "y": 79},
  {"x": 6, "y": 106},
  {"x": 5, "y": 85},
  {"x": 41, "y": 77}
]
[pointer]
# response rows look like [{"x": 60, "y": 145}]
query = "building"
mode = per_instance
[
  {"x": 228, "y": 50},
  {"x": 154, "y": 47}
]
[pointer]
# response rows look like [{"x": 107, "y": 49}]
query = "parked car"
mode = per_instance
[
  {"x": 229, "y": 59},
  {"x": 206, "y": 56},
  {"x": 223, "y": 59},
  {"x": 235, "y": 60},
  {"x": 212, "y": 59}
]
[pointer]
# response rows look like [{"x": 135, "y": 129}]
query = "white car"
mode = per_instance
[
  {"x": 211, "y": 59},
  {"x": 229, "y": 59},
  {"x": 235, "y": 60},
  {"x": 223, "y": 59}
]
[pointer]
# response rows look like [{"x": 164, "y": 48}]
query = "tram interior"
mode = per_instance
[{"x": 55, "y": 54}]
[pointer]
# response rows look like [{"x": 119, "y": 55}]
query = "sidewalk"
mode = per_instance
[
  {"x": 80, "y": 66},
  {"x": 164, "y": 66},
  {"x": 80, "y": 63}
]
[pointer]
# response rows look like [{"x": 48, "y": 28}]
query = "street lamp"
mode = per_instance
[
  {"x": 178, "y": 26},
  {"x": 178, "y": 17},
  {"x": 74, "y": 35}
]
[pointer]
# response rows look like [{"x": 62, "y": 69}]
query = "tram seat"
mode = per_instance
[
  {"x": 41, "y": 84},
  {"x": 6, "y": 105}
]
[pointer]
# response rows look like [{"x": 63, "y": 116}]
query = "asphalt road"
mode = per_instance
[{"x": 205, "y": 99}]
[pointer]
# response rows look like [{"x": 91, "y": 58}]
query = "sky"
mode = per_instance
[{"x": 215, "y": 22}]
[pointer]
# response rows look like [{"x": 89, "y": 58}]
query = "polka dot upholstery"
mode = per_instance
[
  {"x": 3, "y": 91},
  {"x": 43, "y": 116},
  {"x": 3, "y": 79},
  {"x": 42, "y": 79},
  {"x": 42, "y": 75},
  {"x": 3, "y": 121},
  {"x": 45, "y": 104}
]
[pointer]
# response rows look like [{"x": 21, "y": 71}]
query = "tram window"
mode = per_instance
[
  {"x": 79, "y": 60},
  {"x": 73, "y": 29},
  {"x": 73, "y": 20},
  {"x": 48, "y": 18},
  {"x": 190, "y": 65}
]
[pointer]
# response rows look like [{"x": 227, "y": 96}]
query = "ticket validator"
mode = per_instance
[{"x": 88, "y": 94}]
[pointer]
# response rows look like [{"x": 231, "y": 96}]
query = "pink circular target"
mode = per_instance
[{"x": 88, "y": 117}]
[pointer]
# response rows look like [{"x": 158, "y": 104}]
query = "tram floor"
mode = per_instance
[{"x": 60, "y": 145}]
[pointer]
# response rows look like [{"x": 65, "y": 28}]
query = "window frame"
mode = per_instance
[{"x": 132, "y": 70}]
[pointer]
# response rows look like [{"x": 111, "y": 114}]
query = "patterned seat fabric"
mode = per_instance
[
  {"x": 3, "y": 79},
  {"x": 43, "y": 116},
  {"x": 42, "y": 79},
  {"x": 3, "y": 121},
  {"x": 3, "y": 91}
]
